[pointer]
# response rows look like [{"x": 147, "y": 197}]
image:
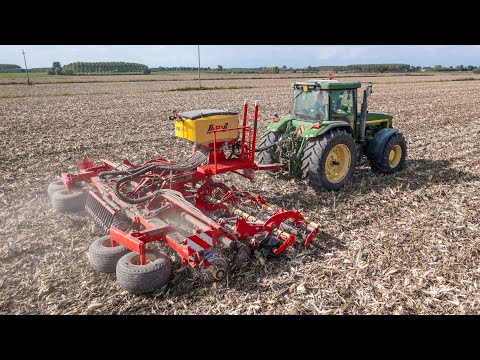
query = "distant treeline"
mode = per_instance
[
  {"x": 364, "y": 68},
  {"x": 283, "y": 69},
  {"x": 44, "y": 69},
  {"x": 104, "y": 68},
  {"x": 10, "y": 68},
  {"x": 368, "y": 68},
  {"x": 113, "y": 68},
  {"x": 219, "y": 68}
]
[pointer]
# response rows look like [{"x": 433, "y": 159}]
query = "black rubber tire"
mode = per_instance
[
  {"x": 55, "y": 186},
  {"x": 104, "y": 258},
  {"x": 383, "y": 165},
  {"x": 265, "y": 157},
  {"x": 140, "y": 279},
  {"x": 315, "y": 156},
  {"x": 64, "y": 202}
]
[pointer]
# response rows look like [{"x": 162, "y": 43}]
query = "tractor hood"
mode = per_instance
[
  {"x": 376, "y": 116},
  {"x": 308, "y": 129}
]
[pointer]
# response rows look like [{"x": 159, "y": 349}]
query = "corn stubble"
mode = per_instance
[{"x": 402, "y": 244}]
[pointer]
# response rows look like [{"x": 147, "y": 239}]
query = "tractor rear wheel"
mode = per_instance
[
  {"x": 393, "y": 155},
  {"x": 329, "y": 160},
  {"x": 269, "y": 156},
  {"x": 62, "y": 201},
  {"x": 103, "y": 256},
  {"x": 140, "y": 279}
]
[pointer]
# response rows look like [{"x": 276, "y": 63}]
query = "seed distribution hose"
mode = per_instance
[{"x": 192, "y": 163}]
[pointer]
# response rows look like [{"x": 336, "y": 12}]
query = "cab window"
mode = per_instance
[
  {"x": 310, "y": 105},
  {"x": 341, "y": 105}
]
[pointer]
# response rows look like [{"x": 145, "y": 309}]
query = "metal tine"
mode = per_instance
[
  {"x": 102, "y": 220},
  {"x": 103, "y": 216},
  {"x": 92, "y": 206},
  {"x": 110, "y": 220},
  {"x": 97, "y": 208},
  {"x": 107, "y": 219},
  {"x": 99, "y": 213},
  {"x": 88, "y": 205}
]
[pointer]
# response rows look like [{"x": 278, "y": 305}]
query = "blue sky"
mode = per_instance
[{"x": 244, "y": 55}]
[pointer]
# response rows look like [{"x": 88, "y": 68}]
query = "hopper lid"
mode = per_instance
[{"x": 197, "y": 114}]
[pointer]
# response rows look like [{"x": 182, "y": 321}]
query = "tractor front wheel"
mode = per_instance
[
  {"x": 392, "y": 158},
  {"x": 329, "y": 160},
  {"x": 269, "y": 155}
]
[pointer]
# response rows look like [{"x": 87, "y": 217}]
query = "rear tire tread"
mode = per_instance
[
  {"x": 313, "y": 157},
  {"x": 265, "y": 156},
  {"x": 382, "y": 166}
]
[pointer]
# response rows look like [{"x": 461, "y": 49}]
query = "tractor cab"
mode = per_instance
[{"x": 324, "y": 100}]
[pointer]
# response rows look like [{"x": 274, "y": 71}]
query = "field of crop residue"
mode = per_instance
[{"x": 402, "y": 244}]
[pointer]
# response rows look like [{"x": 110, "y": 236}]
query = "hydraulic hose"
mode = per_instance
[
  {"x": 194, "y": 161},
  {"x": 258, "y": 149},
  {"x": 267, "y": 147},
  {"x": 103, "y": 174}
]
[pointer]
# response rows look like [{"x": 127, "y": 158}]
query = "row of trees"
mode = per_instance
[
  {"x": 451, "y": 68},
  {"x": 369, "y": 68},
  {"x": 353, "y": 68},
  {"x": 179, "y": 68},
  {"x": 193, "y": 68},
  {"x": 270, "y": 70},
  {"x": 10, "y": 68},
  {"x": 42, "y": 69},
  {"x": 81, "y": 68}
]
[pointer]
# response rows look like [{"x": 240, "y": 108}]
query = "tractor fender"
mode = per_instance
[
  {"x": 378, "y": 142},
  {"x": 312, "y": 133},
  {"x": 281, "y": 123}
]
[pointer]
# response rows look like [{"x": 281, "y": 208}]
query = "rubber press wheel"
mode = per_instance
[
  {"x": 329, "y": 160},
  {"x": 139, "y": 279},
  {"x": 103, "y": 256},
  {"x": 55, "y": 186},
  {"x": 64, "y": 202}
]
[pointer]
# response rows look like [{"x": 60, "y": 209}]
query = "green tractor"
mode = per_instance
[{"x": 324, "y": 136}]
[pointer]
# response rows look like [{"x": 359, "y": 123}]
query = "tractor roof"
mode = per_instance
[{"x": 326, "y": 84}]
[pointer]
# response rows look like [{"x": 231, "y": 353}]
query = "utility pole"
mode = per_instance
[
  {"x": 28, "y": 77},
  {"x": 199, "y": 81}
]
